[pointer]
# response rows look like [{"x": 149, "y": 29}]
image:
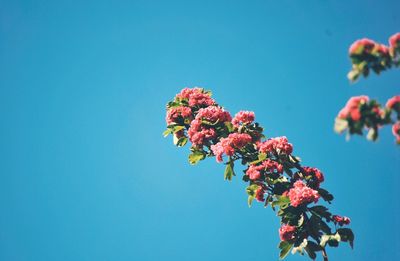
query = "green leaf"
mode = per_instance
[
  {"x": 250, "y": 200},
  {"x": 195, "y": 157},
  {"x": 181, "y": 141},
  {"x": 229, "y": 173},
  {"x": 325, "y": 195},
  {"x": 321, "y": 211},
  {"x": 229, "y": 126},
  {"x": 300, "y": 248},
  {"x": 372, "y": 134},
  {"x": 261, "y": 157},
  {"x": 340, "y": 125},
  {"x": 311, "y": 248},
  {"x": 310, "y": 253},
  {"x": 209, "y": 123},
  {"x": 173, "y": 104},
  {"x": 281, "y": 201},
  {"x": 332, "y": 240},
  {"x": 285, "y": 247},
  {"x": 294, "y": 159},
  {"x": 346, "y": 235},
  {"x": 167, "y": 132},
  {"x": 353, "y": 75},
  {"x": 251, "y": 191}
]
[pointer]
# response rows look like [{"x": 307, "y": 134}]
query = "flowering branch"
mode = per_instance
[
  {"x": 275, "y": 176},
  {"x": 362, "y": 113},
  {"x": 366, "y": 55}
]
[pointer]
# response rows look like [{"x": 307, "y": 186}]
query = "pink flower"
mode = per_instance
[
  {"x": 394, "y": 40},
  {"x": 175, "y": 113},
  {"x": 230, "y": 144},
  {"x": 196, "y": 97},
  {"x": 286, "y": 232},
  {"x": 394, "y": 101},
  {"x": 382, "y": 49},
  {"x": 186, "y": 92},
  {"x": 213, "y": 114},
  {"x": 279, "y": 145},
  {"x": 260, "y": 194},
  {"x": 243, "y": 117},
  {"x": 364, "y": 45},
  {"x": 341, "y": 220},
  {"x": 380, "y": 113},
  {"x": 200, "y": 133},
  {"x": 268, "y": 166},
  {"x": 301, "y": 194},
  {"x": 316, "y": 175},
  {"x": 254, "y": 171},
  {"x": 352, "y": 108}
]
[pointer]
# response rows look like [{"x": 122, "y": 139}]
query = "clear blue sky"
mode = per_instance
[{"x": 85, "y": 173}]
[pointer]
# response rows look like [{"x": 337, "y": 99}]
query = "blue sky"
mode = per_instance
[{"x": 86, "y": 174}]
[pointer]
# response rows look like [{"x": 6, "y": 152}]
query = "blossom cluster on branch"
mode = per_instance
[
  {"x": 274, "y": 175},
  {"x": 361, "y": 113},
  {"x": 367, "y": 55}
]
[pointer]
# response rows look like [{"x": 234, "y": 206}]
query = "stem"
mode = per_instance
[{"x": 324, "y": 254}]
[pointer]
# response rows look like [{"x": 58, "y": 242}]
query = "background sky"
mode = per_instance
[{"x": 85, "y": 172}]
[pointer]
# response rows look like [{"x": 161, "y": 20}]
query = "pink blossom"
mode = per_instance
[
  {"x": 352, "y": 108},
  {"x": 279, "y": 145},
  {"x": 230, "y": 144},
  {"x": 186, "y": 92},
  {"x": 315, "y": 173},
  {"x": 213, "y": 114},
  {"x": 396, "y": 131},
  {"x": 382, "y": 49},
  {"x": 286, "y": 232},
  {"x": 394, "y": 40},
  {"x": 378, "y": 111},
  {"x": 199, "y": 134},
  {"x": 341, "y": 220},
  {"x": 196, "y": 97},
  {"x": 243, "y": 117},
  {"x": 364, "y": 45},
  {"x": 260, "y": 194},
  {"x": 254, "y": 171},
  {"x": 301, "y": 194},
  {"x": 268, "y": 166},
  {"x": 392, "y": 102},
  {"x": 175, "y": 113}
]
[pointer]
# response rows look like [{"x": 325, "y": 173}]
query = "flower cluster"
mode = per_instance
[
  {"x": 286, "y": 232},
  {"x": 203, "y": 128},
  {"x": 274, "y": 176},
  {"x": 394, "y": 42},
  {"x": 256, "y": 171},
  {"x": 301, "y": 194},
  {"x": 178, "y": 115},
  {"x": 195, "y": 97},
  {"x": 367, "y": 55},
  {"x": 362, "y": 113},
  {"x": 396, "y": 131},
  {"x": 279, "y": 145},
  {"x": 234, "y": 141},
  {"x": 341, "y": 221},
  {"x": 243, "y": 118},
  {"x": 313, "y": 176}
]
